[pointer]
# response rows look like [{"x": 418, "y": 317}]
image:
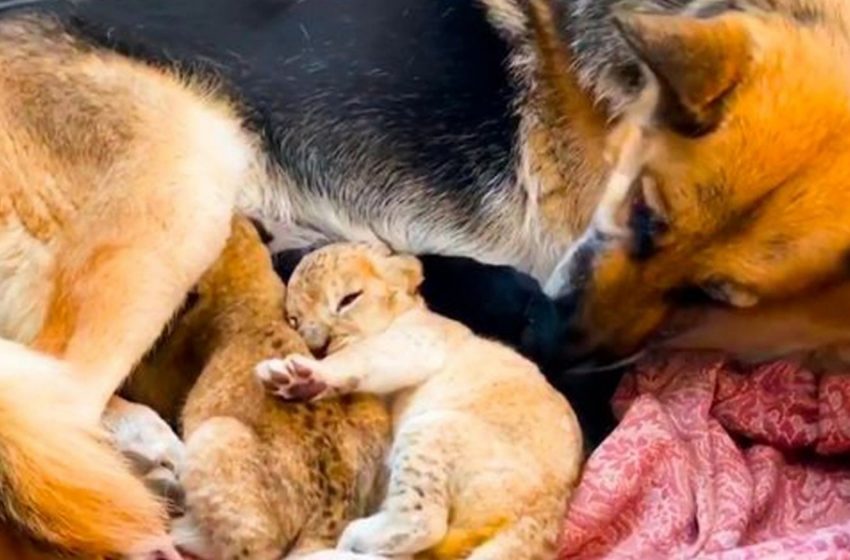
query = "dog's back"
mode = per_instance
[{"x": 413, "y": 123}]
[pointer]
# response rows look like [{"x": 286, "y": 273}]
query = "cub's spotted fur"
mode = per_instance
[
  {"x": 486, "y": 453},
  {"x": 260, "y": 477}
]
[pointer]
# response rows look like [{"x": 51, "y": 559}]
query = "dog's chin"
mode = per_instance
[
  {"x": 593, "y": 365},
  {"x": 679, "y": 332},
  {"x": 705, "y": 338}
]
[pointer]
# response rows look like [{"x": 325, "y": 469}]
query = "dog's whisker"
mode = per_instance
[{"x": 590, "y": 367}]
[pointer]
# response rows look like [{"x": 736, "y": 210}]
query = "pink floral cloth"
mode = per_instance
[{"x": 712, "y": 460}]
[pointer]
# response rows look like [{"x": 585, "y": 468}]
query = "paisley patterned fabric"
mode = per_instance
[{"x": 715, "y": 460}]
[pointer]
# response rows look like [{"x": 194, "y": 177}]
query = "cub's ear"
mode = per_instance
[
  {"x": 698, "y": 62},
  {"x": 379, "y": 248},
  {"x": 408, "y": 270}
]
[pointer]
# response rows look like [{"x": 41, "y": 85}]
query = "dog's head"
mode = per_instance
[{"x": 730, "y": 182}]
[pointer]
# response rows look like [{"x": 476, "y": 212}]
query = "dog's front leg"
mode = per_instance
[{"x": 111, "y": 302}]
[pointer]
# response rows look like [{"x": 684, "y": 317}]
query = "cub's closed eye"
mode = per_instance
[{"x": 348, "y": 300}]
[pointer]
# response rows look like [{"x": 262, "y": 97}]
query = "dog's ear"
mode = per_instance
[{"x": 697, "y": 62}]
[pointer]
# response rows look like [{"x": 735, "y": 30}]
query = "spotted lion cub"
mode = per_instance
[
  {"x": 485, "y": 453},
  {"x": 262, "y": 479}
]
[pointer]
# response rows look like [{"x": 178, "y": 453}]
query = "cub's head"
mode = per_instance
[
  {"x": 730, "y": 186},
  {"x": 347, "y": 290}
]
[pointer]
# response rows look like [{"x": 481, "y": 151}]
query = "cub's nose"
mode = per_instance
[{"x": 317, "y": 338}]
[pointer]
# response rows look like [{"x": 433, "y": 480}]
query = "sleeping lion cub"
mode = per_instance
[{"x": 485, "y": 453}]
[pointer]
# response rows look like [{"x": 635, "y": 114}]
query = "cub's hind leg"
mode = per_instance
[
  {"x": 229, "y": 495},
  {"x": 415, "y": 513}
]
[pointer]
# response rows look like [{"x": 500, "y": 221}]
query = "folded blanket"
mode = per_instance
[{"x": 715, "y": 460}]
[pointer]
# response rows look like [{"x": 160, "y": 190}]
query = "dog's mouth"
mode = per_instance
[
  {"x": 599, "y": 362},
  {"x": 592, "y": 365}
]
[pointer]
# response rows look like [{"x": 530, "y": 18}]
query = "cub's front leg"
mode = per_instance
[{"x": 403, "y": 356}]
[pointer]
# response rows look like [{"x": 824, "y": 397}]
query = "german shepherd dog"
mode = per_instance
[
  {"x": 710, "y": 137},
  {"x": 723, "y": 222}
]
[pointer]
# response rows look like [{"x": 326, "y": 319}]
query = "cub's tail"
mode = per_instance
[
  {"x": 534, "y": 536},
  {"x": 60, "y": 482}
]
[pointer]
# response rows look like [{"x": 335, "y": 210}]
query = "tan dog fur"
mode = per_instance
[
  {"x": 116, "y": 188},
  {"x": 260, "y": 477},
  {"x": 755, "y": 206},
  {"x": 485, "y": 452}
]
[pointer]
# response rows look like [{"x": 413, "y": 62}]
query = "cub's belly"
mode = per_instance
[{"x": 25, "y": 282}]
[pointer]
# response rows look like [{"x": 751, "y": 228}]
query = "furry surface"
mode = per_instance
[{"x": 485, "y": 452}]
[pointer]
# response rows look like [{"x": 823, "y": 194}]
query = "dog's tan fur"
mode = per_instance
[
  {"x": 562, "y": 127},
  {"x": 753, "y": 196},
  {"x": 116, "y": 187},
  {"x": 118, "y": 181},
  {"x": 485, "y": 452}
]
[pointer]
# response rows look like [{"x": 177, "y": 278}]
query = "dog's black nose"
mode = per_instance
[{"x": 573, "y": 339}]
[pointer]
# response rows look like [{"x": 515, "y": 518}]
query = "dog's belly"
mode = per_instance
[{"x": 25, "y": 282}]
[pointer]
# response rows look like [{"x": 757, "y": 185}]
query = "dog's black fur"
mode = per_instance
[
  {"x": 330, "y": 81},
  {"x": 397, "y": 116},
  {"x": 362, "y": 103}
]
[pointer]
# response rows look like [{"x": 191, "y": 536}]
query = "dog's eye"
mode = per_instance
[
  {"x": 645, "y": 221},
  {"x": 730, "y": 293},
  {"x": 714, "y": 292},
  {"x": 348, "y": 300}
]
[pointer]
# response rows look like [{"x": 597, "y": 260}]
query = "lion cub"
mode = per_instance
[
  {"x": 486, "y": 453},
  {"x": 261, "y": 478}
]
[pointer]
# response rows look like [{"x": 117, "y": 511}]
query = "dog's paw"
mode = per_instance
[
  {"x": 295, "y": 378},
  {"x": 151, "y": 446}
]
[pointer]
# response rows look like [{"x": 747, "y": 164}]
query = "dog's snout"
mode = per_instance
[
  {"x": 567, "y": 306},
  {"x": 575, "y": 270},
  {"x": 573, "y": 336}
]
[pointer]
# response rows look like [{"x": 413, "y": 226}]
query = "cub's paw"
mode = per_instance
[
  {"x": 294, "y": 378},
  {"x": 190, "y": 540},
  {"x": 342, "y": 555},
  {"x": 151, "y": 446},
  {"x": 388, "y": 534},
  {"x": 159, "y": 549}
]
